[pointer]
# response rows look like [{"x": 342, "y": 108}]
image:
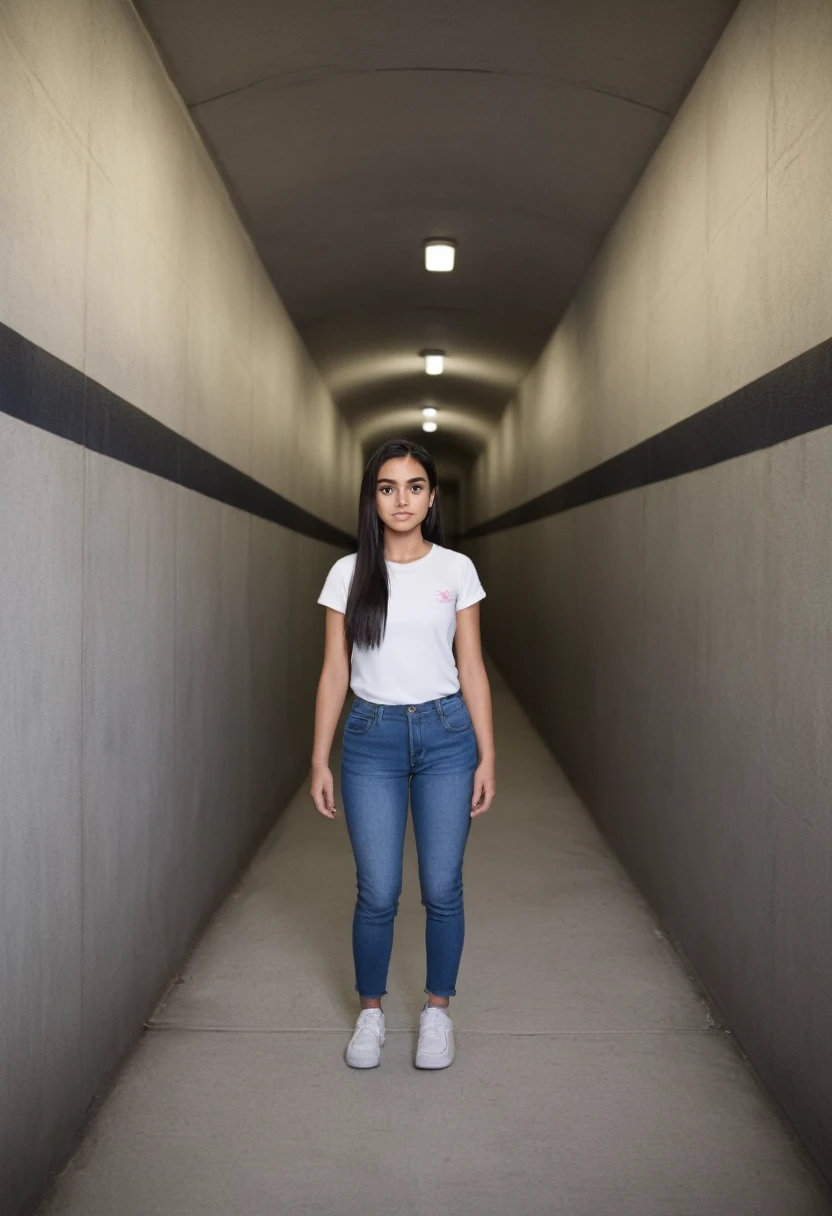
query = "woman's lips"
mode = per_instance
[{"x": 401, "y": 515}]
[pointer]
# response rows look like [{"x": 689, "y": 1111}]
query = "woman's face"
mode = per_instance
[{"x": 403, "y": 494}]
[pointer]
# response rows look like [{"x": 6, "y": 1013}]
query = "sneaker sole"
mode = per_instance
[
  {"x": 433, "y": 1064},
  {"x": 359, "y": 1064}
]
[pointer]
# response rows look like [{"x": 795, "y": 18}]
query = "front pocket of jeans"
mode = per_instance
[
  {"x": 457, "y": 718},
  {"x": 358, "y": 724}
]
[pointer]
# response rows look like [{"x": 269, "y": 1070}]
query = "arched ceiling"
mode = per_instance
[{"x": 350, "y": 130}]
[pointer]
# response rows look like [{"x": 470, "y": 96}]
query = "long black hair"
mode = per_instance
[{"x": 366, "y": 615}]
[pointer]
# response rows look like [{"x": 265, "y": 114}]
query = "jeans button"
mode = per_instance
[{"x": 411, "y": 709}]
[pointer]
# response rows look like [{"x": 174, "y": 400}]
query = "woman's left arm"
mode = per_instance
[{"x": 476, "y": 693}]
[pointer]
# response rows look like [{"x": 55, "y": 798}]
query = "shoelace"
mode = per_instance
[
  {"x": 369, "y": 1019},
  {"x": 433, "y": 1023}
]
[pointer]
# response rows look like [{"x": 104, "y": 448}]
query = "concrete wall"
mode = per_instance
[
  {"x": 158, "y": 650},
  {"x": 672, "y": 642}
]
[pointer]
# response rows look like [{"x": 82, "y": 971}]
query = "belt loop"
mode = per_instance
[{"x": 379, "y": 712}]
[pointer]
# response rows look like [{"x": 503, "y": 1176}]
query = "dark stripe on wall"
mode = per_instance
[
  {"x": 791, "y": 400},
  {"x": 40, "y": 389}
]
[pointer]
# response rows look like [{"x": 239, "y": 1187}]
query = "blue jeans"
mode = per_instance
[{"x": 428, "y": 751}]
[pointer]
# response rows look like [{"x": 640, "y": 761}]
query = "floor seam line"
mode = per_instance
[{"x": 515, "y": 1034}]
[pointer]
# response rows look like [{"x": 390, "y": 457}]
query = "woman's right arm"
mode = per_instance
[{"x": 332, "y": 689}]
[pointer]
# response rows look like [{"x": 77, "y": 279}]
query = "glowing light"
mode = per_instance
[
  {"x": 440, "y": 255},
  {"x": 429, "y": 426},
  {"x": 429, "y": 412},
  {"x": 434, "y": 362}
]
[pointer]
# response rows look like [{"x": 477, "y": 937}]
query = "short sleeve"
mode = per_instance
[
  {"x": 335, "y": 590},
  {"x": 470, "y": 589}
]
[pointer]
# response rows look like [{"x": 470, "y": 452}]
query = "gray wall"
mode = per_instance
[
  {"x": 159, "y": 655},
  {"x": 672, "y": 642}
]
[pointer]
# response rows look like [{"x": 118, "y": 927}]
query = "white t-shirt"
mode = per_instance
[{"x": 415, "y": 660}]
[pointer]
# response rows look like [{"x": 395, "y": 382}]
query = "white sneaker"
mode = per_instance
[
  {"x": 436, "y": 1039},
  {"x": 364, "y": 1048}
]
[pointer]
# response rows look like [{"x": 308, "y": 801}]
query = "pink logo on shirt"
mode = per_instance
[{"x": 444, "y": 596}]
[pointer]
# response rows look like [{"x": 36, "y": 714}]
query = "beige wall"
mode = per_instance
[
  {"x": 716, "y": 271},
  {"x": 672, "y": 642},
  {"x": 159, "y": 649},
  {"x": 123, "y": 255}
]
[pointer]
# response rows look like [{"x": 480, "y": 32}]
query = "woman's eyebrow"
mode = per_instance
[{"x": 391, "y": 481}]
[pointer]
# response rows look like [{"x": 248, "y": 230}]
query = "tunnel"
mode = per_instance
[{"x": 216, "y": 302}]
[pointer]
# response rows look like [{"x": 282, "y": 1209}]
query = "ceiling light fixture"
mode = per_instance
[
  {"x": 434, "y": 362},
  {"x": 440, "y": 255},
  {"x": 429, "y": 412},
  {"x": 429, "y": 426}
]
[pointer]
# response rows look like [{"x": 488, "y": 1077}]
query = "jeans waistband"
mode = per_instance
[{"x": 405, "y": 711}]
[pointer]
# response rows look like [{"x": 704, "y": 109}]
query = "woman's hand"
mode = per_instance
[
  {"x": 323, "y": 790},
  {"x": 485, "y": 787}
]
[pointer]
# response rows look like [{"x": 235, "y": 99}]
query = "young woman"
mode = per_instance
[{"x": 419, "y": 727}]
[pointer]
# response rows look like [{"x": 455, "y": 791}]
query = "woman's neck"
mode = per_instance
[{"x": 407, "y": 548}]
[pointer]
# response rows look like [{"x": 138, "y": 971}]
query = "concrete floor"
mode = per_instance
[{"x": 589, "y": 1080}]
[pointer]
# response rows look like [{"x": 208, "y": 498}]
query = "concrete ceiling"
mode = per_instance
[{"x": 350, "y": 130}]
